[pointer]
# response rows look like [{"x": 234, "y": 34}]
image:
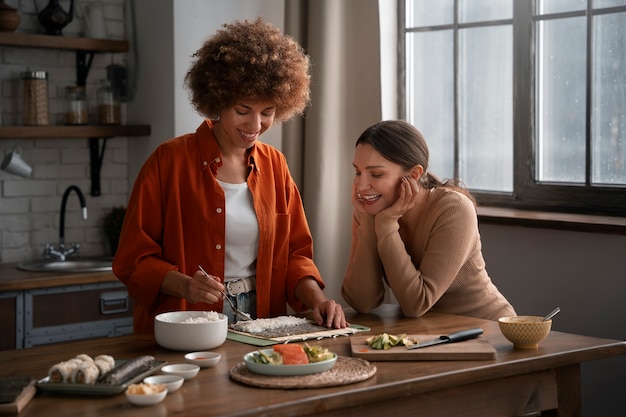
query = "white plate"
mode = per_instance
[{"x": 287, "y": 370}]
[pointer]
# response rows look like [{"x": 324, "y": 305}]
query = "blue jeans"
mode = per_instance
[{"x": 245, "y": 302}]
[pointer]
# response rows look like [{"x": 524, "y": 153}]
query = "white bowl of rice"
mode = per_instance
[{"x": 190, "y": 330}]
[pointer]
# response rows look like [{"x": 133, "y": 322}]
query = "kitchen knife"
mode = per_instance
[{"x": 450, "y": 338}]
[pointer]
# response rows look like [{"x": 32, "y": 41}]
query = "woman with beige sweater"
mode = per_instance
[{"x": 414, "y": 234}]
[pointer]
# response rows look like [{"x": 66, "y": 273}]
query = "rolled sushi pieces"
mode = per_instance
[{"x": 84, "y": 369}]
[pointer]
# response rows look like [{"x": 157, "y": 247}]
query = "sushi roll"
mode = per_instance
[
  {"x": 127, "y": 370},
  {"x": 106, "y": 358},
  {"x": 62, "y": 372},
  {"x": 84, "y": 358},
  {"x": 104, "y": 365},
  {"x": 85, "y": 373}
]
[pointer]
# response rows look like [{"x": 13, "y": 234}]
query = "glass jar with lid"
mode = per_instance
[
  {"x": 35, "y": 102},
  {"x": 76, "y": 105},
  {"x": 109, "y": 112}
]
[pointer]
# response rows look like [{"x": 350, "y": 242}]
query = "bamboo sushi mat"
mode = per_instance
[{"x": 346, "y": 371}]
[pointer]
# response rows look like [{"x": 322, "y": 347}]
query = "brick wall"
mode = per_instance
[{"x": 30, "y": 207}]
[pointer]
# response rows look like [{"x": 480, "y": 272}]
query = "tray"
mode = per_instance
[{"x": 96, "y": 389}]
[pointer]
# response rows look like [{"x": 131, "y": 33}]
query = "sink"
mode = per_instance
[{"x": 71, "y": 265}]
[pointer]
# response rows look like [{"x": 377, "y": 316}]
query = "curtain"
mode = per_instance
[{"x": 342, "y": 39}]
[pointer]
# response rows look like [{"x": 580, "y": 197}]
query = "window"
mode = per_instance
[{"x": 523, "y": 100}]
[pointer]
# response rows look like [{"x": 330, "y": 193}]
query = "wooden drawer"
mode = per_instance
[
  {"x": 76, "y": 312},
  {"x": 67, "y": 305}
]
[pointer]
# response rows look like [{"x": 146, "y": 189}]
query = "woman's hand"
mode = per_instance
[
  {"x": 330, "y": 314},
  {"x": 203, "y": 288},
  {"x": 409, "y": 191},
  {"x": 325, "y": 312},
  {"x": 357, "y": 201}
]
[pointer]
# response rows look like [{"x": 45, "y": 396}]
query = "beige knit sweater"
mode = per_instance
[{"x": 430, "y": 257}]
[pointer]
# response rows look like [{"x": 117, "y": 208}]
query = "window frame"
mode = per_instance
[{"x": 528, "y": 194}]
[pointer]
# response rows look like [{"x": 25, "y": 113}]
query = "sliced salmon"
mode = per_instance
[{"x": 293, "y": 354}]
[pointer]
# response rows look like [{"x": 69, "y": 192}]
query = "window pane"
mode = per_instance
[
  {"x": 485, "y": 108},
  {"x": 430, "y": 95},
  {"x": 608, "y": 3},
  {"x": 558, "y": 6},
  {"x": 484, "y": 10},
  {"x": 429, "y": 13},
  {"x": 609, "y": 100},
  {"x": 560, "y": 95}
]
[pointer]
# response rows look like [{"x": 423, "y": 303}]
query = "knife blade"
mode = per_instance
[{"x": 450, "y": 338}]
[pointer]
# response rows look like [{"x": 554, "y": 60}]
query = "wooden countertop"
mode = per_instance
[
  {"x": 516, "y": 382},
  {"x": 13, "y": 279}
]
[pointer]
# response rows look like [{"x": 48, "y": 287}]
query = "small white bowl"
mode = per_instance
[
  {"x": 186, "y": 370},
  {"x": 171, "y": 382},
  {"x": 203, "y": 359},
  {"x": 146, "y": 399}
]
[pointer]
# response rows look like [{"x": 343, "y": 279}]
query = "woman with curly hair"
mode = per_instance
[
  {"x": 220, "y": 201},
  {"x": 413, "y": 233}
]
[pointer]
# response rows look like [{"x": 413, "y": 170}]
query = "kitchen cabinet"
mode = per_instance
[
  {"x": 40, "y": 307},
  {"x": 84, "y": 48},
  {"x": 11, "y": 320},
  {"x": 60, "y": 314}
]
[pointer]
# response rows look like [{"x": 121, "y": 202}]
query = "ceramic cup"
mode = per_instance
[
  {"x": 14, "y": 164},
  {"x": 94, "y": 21}
]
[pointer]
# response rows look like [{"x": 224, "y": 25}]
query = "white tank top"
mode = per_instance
[{"x": 242, "y": 232}]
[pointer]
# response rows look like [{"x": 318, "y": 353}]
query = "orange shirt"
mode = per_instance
[{"x": 175, "y": 220}]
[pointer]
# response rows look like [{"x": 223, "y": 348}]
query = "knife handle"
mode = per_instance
[{"x": 463, "y": 335}]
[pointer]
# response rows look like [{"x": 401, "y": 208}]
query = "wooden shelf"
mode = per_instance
[
  {"x": 88, "y": 131},
  {"x": 27, "y": 40},
  {"x": 85, "y": 49}
]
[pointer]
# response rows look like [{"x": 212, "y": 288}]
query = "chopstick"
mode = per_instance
[{"x": 237, "y": 312}]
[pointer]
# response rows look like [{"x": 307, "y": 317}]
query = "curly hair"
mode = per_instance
[{"x": 249, "y": 61}]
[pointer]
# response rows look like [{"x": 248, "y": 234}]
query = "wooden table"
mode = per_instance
[{"x": 518, "y": 382}]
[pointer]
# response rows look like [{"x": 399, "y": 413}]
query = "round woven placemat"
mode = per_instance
[{"x": 346, "y": 371}]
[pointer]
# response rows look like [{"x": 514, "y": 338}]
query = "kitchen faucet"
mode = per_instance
[{"x": 61, "y": 252}]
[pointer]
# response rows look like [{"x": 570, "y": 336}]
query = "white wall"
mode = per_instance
[
  {"x": 169, "y": 33},
  {"x": 583, "y": 273}
]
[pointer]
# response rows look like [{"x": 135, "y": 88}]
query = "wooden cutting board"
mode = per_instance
[{"x": 473, "y": 349}]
